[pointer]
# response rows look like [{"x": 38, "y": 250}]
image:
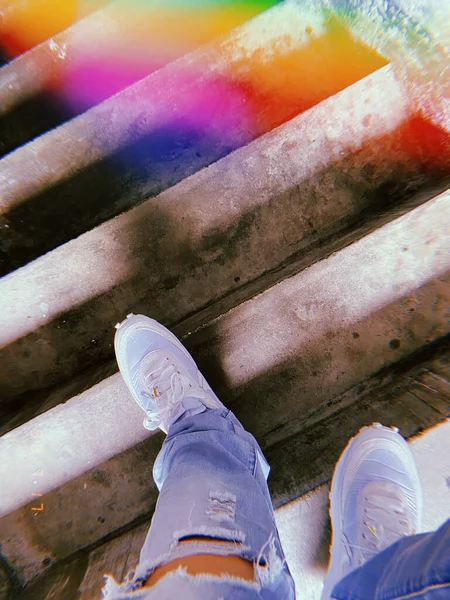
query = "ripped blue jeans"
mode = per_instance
[{"x": 212, "y": 478}]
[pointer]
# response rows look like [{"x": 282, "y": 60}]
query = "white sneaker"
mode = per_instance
[
  {"x": 376, "y": 499},
  {"x": 160, "y": 373}
]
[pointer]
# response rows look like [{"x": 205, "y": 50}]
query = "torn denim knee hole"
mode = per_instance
[
  {"x": 114, "y": 590},
  {"x": 222, "y": 506},
  {"x": 181, "y": 573},
  {"x": 234, "y": 536}
]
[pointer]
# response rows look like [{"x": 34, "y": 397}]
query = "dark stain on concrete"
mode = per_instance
[
  {"x": 395, "y": 344},
  {"x": 102, "y": 478},
  {"x": 70, "y": 574}
]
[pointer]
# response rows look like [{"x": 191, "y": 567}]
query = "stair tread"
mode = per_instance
[
  {"x": 179, "y": 119},
  {"x": 244, "y": 230},
  {"x": 286, "y": 369},
  {"x": 302, "y": 520},
  {"x": 117, "y": 44},
  {"x": 306, "y": 267}
]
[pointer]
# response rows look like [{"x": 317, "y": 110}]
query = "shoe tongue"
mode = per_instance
[
  {"x": 156, "y": 370},
  {"x": 165, "y": 380},
  {"x": 383, "y": 509}
]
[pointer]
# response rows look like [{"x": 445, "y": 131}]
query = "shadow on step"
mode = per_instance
[
  {"x": 46, "y": 215},
  {"x": 184, "y": 263},
  {"x": 286, "y": 362},
  {"x": 119, "y": 494},
  {"x": 91, "y": 194}
]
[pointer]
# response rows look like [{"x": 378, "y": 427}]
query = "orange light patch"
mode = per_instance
[
  {"x": 284, "y": 83},
  {"x": 30, "y": 22}
]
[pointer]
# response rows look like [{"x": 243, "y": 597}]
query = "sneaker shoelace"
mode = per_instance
[
  {"x": 167, "y": 384},
  {"x": 385, "y": 521}
]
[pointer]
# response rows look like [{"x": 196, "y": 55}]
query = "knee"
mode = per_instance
[{"x": 206, "y": 563}]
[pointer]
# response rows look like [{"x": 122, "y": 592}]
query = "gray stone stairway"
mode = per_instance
[{"x": 301, "y": 255}]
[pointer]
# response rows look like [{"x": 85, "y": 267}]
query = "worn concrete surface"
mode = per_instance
[
  {"x": 335, "y": 324},
  {"x": 167, "y": 126},
  {"x": 312, "y": 346},
  {"x": 248, "y": 219},
  {"x": 303, "y": 525},
  {"x": 338, "y": 321},
  {"x": 33, "y": 98},
  {"x": 412, "y": 398},
  {"x": 46, "y": 86},
  {"x": 6, "y": 585},
  {"x": 418, "y": 57},
  {"x": 29, "y": 102},
  {"x": 25, "y": 12}
]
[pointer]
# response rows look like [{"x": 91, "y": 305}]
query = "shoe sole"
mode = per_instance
[
  {"x": 133, "y": 323},
  {"x": 344, "y": 464}
]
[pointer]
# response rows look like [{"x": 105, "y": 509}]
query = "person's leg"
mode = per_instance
[
  {"x": 212, "y": 480},
  {"x": 376, "y": 504},
  {"x": 214, "y": 504}
]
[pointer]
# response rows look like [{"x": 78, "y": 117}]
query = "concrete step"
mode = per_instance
[
  {"x": 169, "y": 125},
  {"x": 303, "y": 523},
  {"x": 215, "y": 239},
  {"x": 26, "y": 23},
  {"x": 284, "y": 361},
  {"x": 99, "y": 56},
  {"x": 307, "y": 271}
]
